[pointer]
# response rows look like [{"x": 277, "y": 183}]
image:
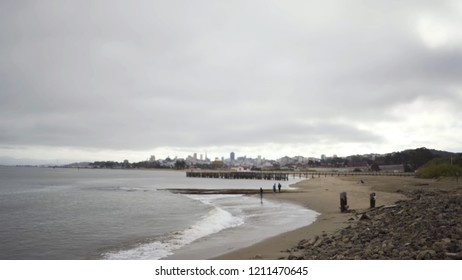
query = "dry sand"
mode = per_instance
[{"x": 322, "y": 194}]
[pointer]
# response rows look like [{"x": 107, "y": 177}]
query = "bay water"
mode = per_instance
[{"x": 59, "y": 213}]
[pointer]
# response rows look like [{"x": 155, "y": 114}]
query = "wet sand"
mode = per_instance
[{"x": 323, "y": 196}]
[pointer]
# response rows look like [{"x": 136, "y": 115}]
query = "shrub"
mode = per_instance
[{"x": 441, "y": 167}]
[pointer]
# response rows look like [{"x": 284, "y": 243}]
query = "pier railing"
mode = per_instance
[{"x": 284, "y": 175}]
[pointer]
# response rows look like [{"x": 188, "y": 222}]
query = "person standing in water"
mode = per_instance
[
  {"x": 274, "y": 188},
  {"x": 261, "y": 195},
  {"x": 279, "y": 187}
]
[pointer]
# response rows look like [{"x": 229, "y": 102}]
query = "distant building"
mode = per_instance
[
  {"x": 392, "y": 168},
  {"x": 232, "y": 156},
  {"x": 218, "y": 163},
  {"x": 241, "y": 169},
  {"x": 259, "y": 161}
]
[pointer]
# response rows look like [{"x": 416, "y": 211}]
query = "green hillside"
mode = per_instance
[{"x": 441, "y": 167}]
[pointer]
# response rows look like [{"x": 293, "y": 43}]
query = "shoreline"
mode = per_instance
[
  {"x": 322, "y": 196},
  {"x": 262, "y": 220}
]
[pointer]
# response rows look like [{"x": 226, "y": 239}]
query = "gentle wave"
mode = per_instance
[
  {"x": 215, "y": 221},
  {"x": 263, "y": 219}
]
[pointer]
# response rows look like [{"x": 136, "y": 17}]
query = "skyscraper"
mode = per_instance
[{"x": 232, "y": 156}]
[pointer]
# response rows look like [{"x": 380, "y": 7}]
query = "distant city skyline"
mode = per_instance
[
  {"x": 162, "y": 156},
  {"x": 149, "y": 157},
  {"x": 196, "y": 158}
]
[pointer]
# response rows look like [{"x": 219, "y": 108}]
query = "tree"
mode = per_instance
[
  {"x": 420, "y": 156},
  {"x": 375, "y": 167},
  {"x": 180, "y": 164}
]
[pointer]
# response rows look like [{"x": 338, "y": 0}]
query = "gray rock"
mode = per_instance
[
  {"x": 426, "y": 255},
  {"x": 428, "y": 228},
  {"x": 293, "y": 257}
]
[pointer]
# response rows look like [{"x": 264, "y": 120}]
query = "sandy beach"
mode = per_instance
[{"x": 322, "y": 194}]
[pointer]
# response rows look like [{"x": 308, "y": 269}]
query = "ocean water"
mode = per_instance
[{"x": 125, "y": 214}]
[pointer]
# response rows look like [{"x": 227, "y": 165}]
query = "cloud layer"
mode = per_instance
[{"x": 290, "y": 76}]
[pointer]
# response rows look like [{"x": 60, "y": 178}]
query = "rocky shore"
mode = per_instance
[{"x": 427, "y": 225}]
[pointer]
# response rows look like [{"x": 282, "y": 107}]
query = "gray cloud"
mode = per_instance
[{"x": 149, "y": 74}]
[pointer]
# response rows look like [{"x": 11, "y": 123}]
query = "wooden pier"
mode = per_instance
[
  {"x": 274, "y": 176},
  {"x": 283, "y": 175}
]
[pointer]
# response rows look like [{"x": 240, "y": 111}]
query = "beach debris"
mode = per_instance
[
  {"x": 363, "y": 217},
  {"x": 292, "y": 257},
  {"x": 318, "y": 242},
  {"x": 313, "y": 241}
]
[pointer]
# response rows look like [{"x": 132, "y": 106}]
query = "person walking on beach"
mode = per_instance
[
  {"x": 279, "y": 187},
  {"x": 261, "y": 195},
  {"x": 274, "y": 188}
]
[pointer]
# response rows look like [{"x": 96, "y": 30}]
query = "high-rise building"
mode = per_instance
[
  {"x": 259, "y": 161},
  {"x": 232, "y": 156}
]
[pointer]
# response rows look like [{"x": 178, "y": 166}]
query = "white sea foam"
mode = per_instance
[
  {"x": 263, "y": 219},
  {"x": 215, "y": 221}
]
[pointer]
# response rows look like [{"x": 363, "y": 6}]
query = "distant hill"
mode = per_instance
[
  {"x": 411, "y": 159},
  {"x": 436, "y": 153}
]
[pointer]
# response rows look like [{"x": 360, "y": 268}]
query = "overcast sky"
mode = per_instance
[{"x": 115, "y": 80}]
